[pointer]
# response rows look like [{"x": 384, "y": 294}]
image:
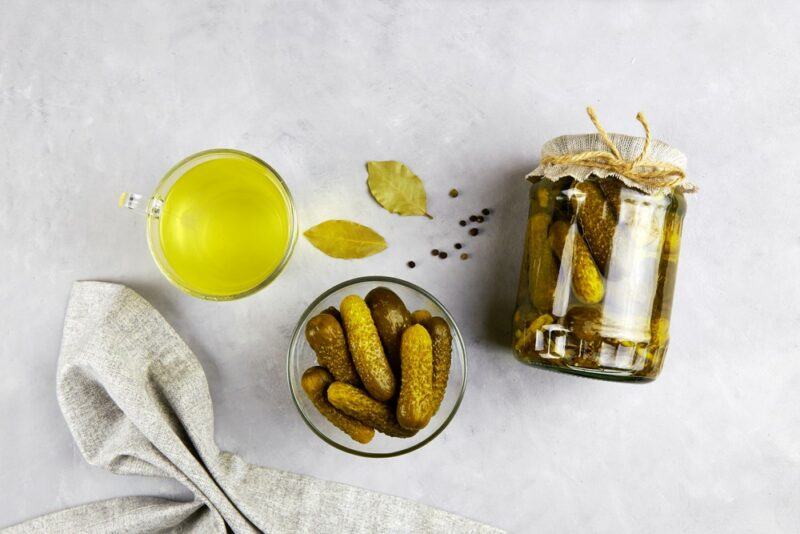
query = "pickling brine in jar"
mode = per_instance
[{"x": 600, "y": 261}]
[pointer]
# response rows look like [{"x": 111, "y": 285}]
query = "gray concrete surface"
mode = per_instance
[{"x": 102, "y": 97}]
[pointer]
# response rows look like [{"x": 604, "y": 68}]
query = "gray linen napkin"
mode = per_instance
[{"x": 137, "y": 402}]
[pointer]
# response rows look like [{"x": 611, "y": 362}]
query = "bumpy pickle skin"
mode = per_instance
[
  {"x": 315, "y": 382},
  {"x": 416, "y": 385},
  {"x": 542, "y": 266},
  {"x": 598, "y": 222},
  {"x": 673, "y": 225},
  {"x": 523, "y": 293},
  {"x": 366, "y": 350},
  {"x": 325, "y": 335},
  {"x": 442, "y": 342},
  {"x": 420, "y": 316},
  {"x": 587, "y": 282},
  {"x": 662, "y": 302},
  {"x": 356, "y": 403},
  {"x": 612, "y": 190},
  {"x": 391, "y": 317}
]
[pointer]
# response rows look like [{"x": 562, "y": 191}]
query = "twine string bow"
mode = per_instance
[{"x": 653, "y": 174}]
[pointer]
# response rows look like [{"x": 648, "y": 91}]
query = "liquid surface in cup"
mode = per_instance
[{"x": 225, "y": 226}]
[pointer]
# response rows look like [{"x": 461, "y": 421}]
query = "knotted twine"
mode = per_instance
[{"x": 605, "y": 155}]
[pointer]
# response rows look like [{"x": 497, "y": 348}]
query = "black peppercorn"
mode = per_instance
[
  {"x": 462, "y": 223},
  {"x": 458, "y": 246},
  {"x": 443, "y": 255},
  {"x": 434, "y": 252},
  {"x": 473, "y": 231},
  {"x": 473, "y": 218},
  {"x": 411, "y": 265},
  {"x": 479, "y": 218},
  {"x": 486, "y": 211}
]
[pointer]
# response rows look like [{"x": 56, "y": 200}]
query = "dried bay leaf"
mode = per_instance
[
  {"x": 396, "y": 188},
  {"x": 345, "y": 239}
]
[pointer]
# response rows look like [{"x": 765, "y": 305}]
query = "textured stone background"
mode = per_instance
[{"x": 99, "y": 97}]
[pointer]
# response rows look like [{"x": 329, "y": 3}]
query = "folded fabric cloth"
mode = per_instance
[{"x": 137, "y": 402}]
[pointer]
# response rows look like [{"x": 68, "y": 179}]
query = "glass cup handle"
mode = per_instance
[{"x": 137, "y": 203}]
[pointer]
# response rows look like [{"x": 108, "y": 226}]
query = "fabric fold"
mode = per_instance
[{"x": 137, "y": 402}]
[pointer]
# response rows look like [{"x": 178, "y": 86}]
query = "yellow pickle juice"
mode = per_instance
[{"x": 601, "y": 255}]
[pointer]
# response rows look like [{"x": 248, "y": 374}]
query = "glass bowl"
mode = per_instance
[{"x": 301, "y": 357}]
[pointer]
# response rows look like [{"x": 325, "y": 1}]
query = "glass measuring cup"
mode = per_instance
[{"x": 221, "y": 224}]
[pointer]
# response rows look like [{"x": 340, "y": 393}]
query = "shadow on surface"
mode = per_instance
[{"x": 503, "y": 273}]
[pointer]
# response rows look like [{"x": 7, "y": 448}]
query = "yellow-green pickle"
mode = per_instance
[
  {"x": 601, "y": 255},
  {"x": 380, "y": 368},
  {"x": 608, "y": 314}
]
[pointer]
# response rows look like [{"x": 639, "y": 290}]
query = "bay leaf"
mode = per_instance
[
  {"x": 396, "y": 188},
  {"x": 345, "y": 239}
]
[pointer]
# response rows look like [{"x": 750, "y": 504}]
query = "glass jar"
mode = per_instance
[{"x": 597, "y": 278}]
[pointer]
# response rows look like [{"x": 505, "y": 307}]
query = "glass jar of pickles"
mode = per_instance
[{"x": 601, "y": 256}]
